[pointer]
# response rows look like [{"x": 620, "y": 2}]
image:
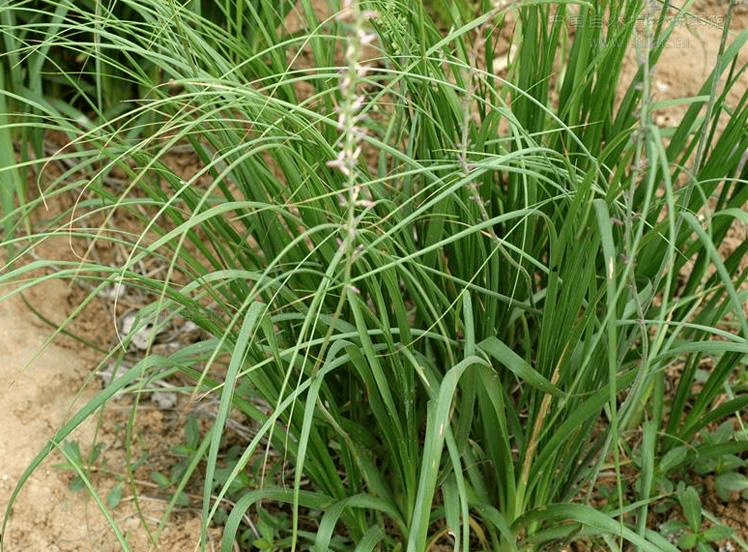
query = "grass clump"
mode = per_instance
[{"x": 448, "y": 300}]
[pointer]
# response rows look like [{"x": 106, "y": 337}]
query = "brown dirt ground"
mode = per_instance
[{"x": 44, "y": 380}]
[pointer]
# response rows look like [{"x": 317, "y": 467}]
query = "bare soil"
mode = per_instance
[
  {"x": 43, "y": 383},
  {"x": 46, "y": 382}
]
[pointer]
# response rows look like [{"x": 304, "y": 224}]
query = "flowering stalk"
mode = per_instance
[
  {"x": 349, "y": 119},
  {"x": 348, "y": 112}
]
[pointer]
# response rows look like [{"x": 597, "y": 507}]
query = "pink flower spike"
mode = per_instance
[{"x": 339, "y": 164}]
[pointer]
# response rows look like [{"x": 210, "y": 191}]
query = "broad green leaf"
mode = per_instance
[
  {"x": 673, "y": 458},
  {"x": 160, "y": 479},
  {"x": 114, "y": 496},
  {"x": 717, "y": 532},
  {"x": 691, "y": 505},
  {"x": 729, "y": 482}
]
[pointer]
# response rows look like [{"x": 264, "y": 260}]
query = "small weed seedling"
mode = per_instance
[{"x": 690, "y": 533}]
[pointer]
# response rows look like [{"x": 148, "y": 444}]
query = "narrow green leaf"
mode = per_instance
[
  {"x": 601, "y": 522},
  {"x": 518, "y": 366},
  {"x": 437, "y": 421},
  {"x": 315, "y": 501},
  {"x": 332, "y": 515},
  {"x": 371, "y": 538}
]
